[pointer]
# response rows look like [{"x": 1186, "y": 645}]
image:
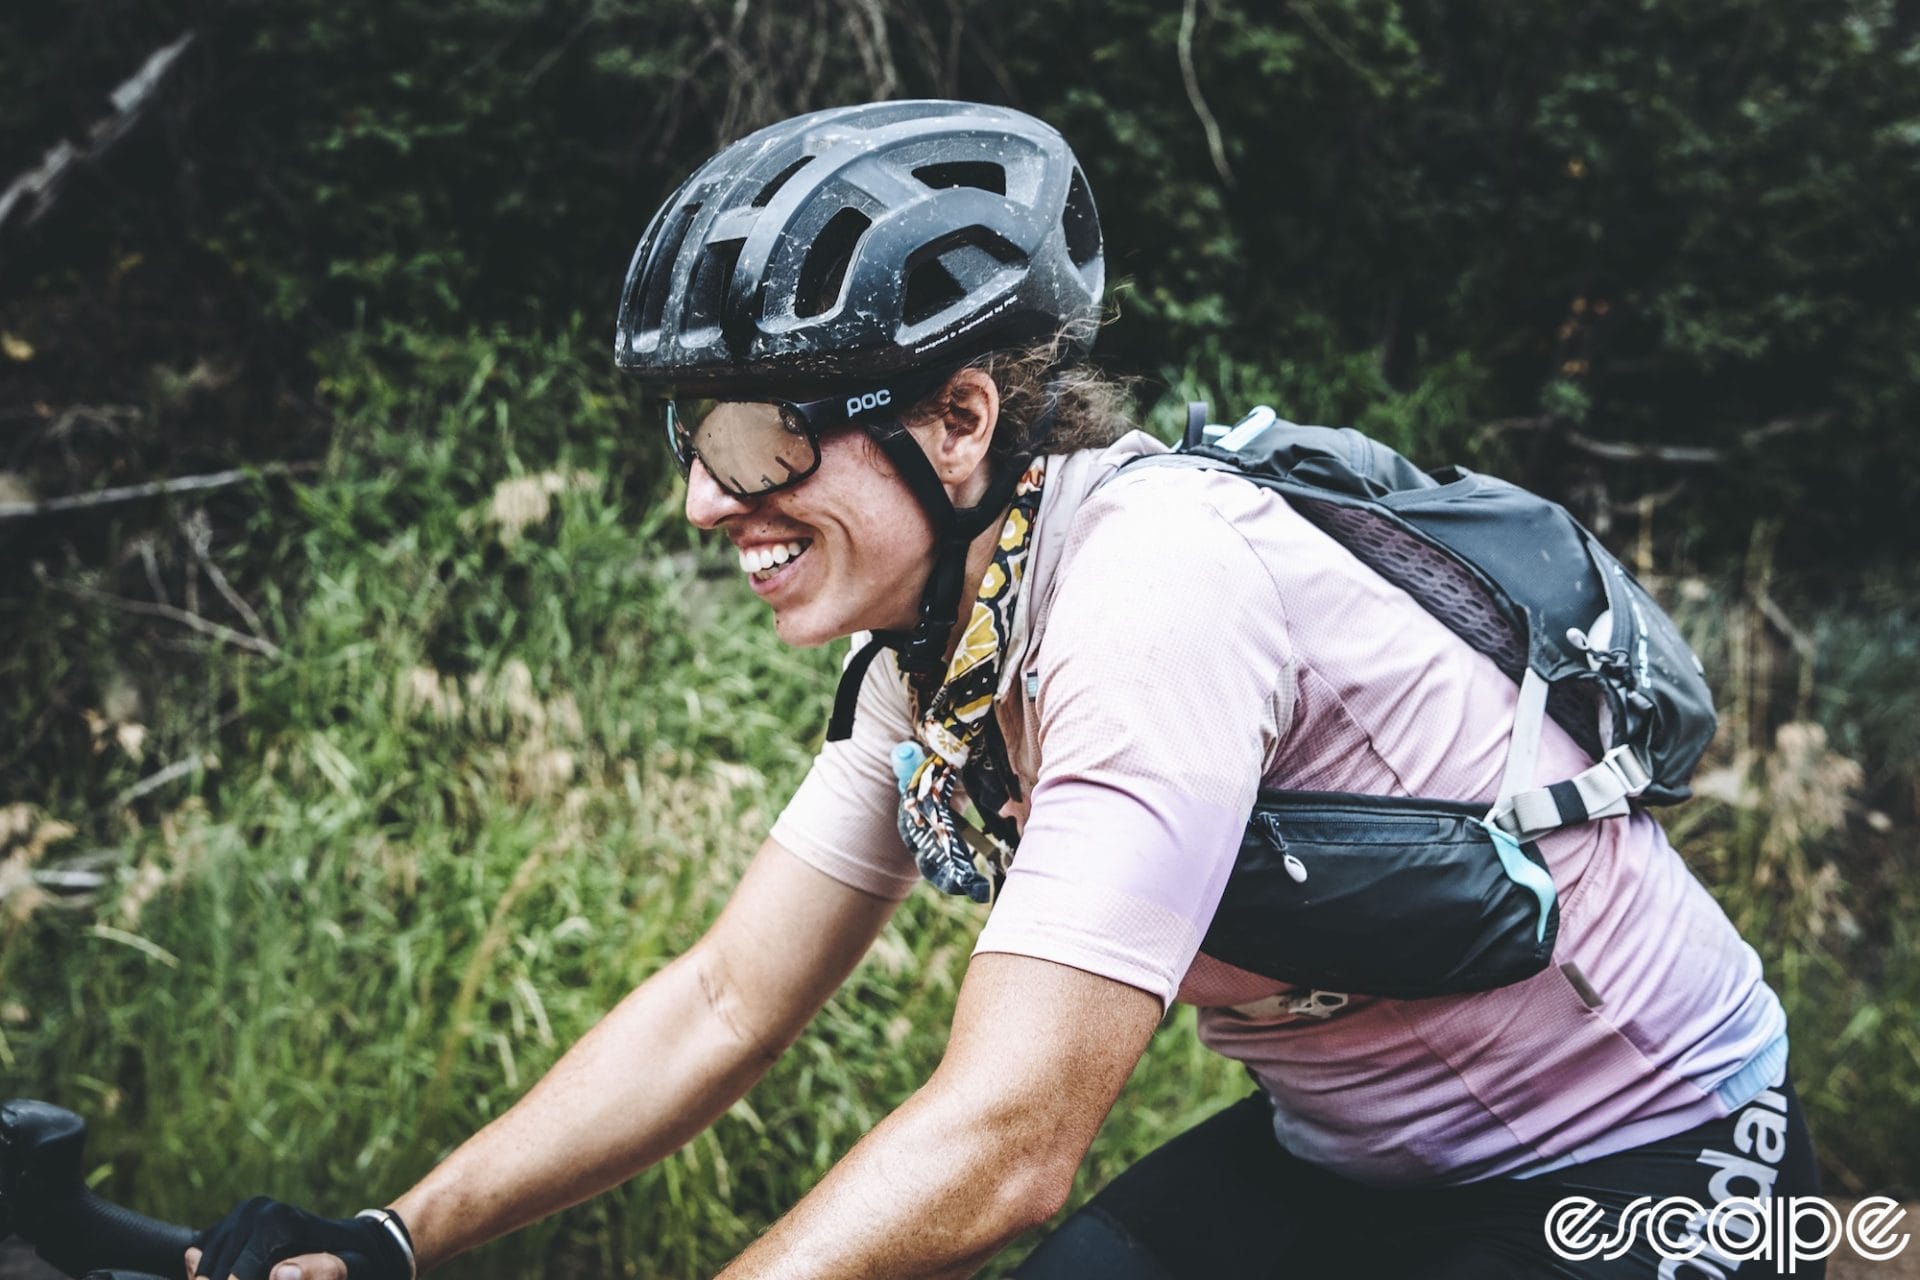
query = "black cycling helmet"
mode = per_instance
[
  {"x": 858, "y": 242},
  {"x": 852, "y": 246}
]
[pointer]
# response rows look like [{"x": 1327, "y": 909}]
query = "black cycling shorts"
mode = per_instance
[{"x": 1225, "y": 1201}]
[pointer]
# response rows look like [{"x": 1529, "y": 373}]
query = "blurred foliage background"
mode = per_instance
[{"x": 336, "y": 802}]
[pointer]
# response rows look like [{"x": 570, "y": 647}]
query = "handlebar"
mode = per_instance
[{"x": 45, "y": 1200}]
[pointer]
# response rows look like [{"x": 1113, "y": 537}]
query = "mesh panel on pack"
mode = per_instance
[
  {"x": 1438, "y": 582},
  {"x": 1449, "y": 593},
  {"x": 1575, "y": 706}
]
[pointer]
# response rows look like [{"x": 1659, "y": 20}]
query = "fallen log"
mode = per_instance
[{"x": 27, "y": 200}]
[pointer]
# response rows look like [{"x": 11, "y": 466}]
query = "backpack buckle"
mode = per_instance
[
  {"x": 1624, "y": 763},
  {"x": 1318, "y": 1003}
]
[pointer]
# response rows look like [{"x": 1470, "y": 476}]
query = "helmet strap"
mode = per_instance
[{"x": 923, "y": 651}]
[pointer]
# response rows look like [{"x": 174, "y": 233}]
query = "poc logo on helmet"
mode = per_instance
[{"x": 868, "y": 400}]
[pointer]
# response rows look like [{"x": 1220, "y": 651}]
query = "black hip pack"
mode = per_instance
[
  {"x": 1383, "y": 895},
  {"x": 1421, "y": 897}
]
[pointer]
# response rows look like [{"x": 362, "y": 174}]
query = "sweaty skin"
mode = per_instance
[
  {"x": 870, "y": 544},
  {"x": 986, "y": 1149}
]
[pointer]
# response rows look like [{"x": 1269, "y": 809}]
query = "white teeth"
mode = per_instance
[{"x": 762, "y": 558}]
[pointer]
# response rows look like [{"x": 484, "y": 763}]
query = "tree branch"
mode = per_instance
[
  {"x": 151, "y": 489},
  {"x": 867, "y": 23},
  {"x": 200, "y": 538},
  {"x": 238, "y": 639},
  {"x": 1646, "y": 504},
  {"x": 1189, "y": 15},
  {"x": 160, "y": 778},
  {"x": 34, "y": 193},
  {"x": 1683, "y": 455},
  {"x": 1679, "y": 455}
]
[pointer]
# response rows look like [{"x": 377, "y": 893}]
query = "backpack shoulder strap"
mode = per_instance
[{"x": 1343, "y": 482}]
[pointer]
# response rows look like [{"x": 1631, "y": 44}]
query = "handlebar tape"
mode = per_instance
[
  {"x": 86, "y": 1233},
  {"x": 82, "y": 1232}
]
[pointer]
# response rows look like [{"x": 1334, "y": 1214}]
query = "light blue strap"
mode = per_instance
[
  {"x": 906, "y": 762},
  {"x": 1524, "y": 872},
  {"x": 1766, "y": 1069}
]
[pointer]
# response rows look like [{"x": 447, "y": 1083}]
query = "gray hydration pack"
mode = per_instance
[{"x": 1312, "y": 899}]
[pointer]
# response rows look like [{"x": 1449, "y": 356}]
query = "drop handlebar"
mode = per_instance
[{"x": 44, "y": 1199}]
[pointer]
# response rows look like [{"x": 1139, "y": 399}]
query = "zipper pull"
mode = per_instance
[{"x": 1270, "y": 828}]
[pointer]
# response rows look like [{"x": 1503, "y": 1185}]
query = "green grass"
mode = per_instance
[
  {"x": 1812, "y": 856},
  {"x": 496, "y": 780}
]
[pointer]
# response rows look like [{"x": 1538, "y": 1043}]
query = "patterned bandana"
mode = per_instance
[{"x": 958, "y": 852}]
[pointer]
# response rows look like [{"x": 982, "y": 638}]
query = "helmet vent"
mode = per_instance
[
  {"x": 983, "y": 174},
  {"x": 707, "y": 295},
  {"x": 931, "y": 289},
  {"x": 768, "y": 192},
  {"x": 658, "y": 283},
  {"x": 825, "y": 268},
  {"x": 1079, "y": 223}
]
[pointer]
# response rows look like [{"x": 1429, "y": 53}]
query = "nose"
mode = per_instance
[{"x": 707, "y": 503}]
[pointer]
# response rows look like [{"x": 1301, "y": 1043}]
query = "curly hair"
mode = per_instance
[{"x": 1091, "y": 409}]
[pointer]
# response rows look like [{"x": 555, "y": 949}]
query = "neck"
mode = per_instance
[{"x": 979, "y": 557}]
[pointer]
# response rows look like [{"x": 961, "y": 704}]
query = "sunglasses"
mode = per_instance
[{"x": 754, "y": 447}]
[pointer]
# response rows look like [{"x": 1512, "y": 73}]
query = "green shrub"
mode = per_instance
[{"x": 524, "y": 734}]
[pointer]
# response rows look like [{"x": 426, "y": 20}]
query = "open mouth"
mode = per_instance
[{"x": 763, "y": 562}]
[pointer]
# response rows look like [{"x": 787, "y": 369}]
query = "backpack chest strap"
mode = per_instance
[{"x": 1605, "y": 790}]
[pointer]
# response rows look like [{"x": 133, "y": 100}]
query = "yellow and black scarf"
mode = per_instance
[{"x": 959, "y": 745}]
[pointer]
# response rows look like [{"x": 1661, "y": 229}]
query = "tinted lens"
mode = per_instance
[
  {"x": 683, "y": 415},
  {"x": 748, "y": 447}
]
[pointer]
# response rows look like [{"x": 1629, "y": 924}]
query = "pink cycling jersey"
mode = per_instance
[{"x": 1185, "y": 639}]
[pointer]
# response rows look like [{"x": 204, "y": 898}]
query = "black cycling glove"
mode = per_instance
[{"x": 261, "y": 1232}]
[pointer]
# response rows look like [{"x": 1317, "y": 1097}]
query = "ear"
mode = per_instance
[{"x": 957, "y": 440}]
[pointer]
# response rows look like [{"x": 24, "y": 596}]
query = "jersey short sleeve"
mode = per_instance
[
  {"x": 1164, "y": 687},
  {"x": 844, "y": 819}
]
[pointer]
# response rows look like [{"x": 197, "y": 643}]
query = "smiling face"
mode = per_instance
[{"x": 849, "y": 548}]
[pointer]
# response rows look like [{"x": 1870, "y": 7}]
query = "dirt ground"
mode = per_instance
[
  {"x": 17, "y": 1262},
  {"x": 1846, "y": 1265}
]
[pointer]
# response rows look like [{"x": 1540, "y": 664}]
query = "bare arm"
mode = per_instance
[
  {"x": 664, "y": 1064},
  {"x": 657, "y": 1070},
  {"x": 988, "y": 1147}
]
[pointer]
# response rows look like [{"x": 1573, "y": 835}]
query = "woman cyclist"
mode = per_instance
[{"x": 1069, "y": 684}]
